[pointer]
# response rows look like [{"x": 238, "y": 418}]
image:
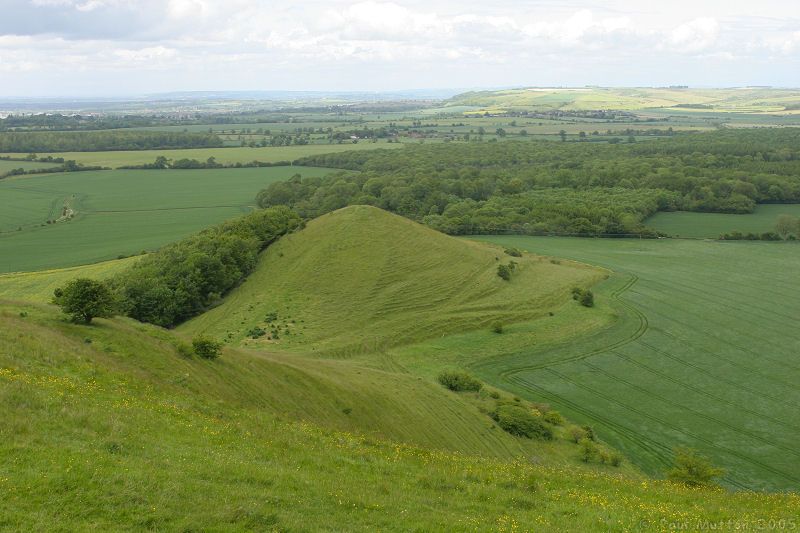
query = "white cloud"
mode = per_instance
[{"x": 333, "y": 43}]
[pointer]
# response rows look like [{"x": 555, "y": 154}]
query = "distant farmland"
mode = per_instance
[
  {"x": 712, "y": 225},
  {"x": 225, "y": 156},
  {"x": 119, "y": 212}
]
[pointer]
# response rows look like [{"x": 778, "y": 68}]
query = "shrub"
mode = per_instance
[
  {"x": 576, "y": 292},
  {"x": 553, "y": 417},
  {"x": 184, "y": 349},
  {"x": 84, "y": 299},
  {"x": 256, "y": 332},
  {"x": 577, "y": 434},
  {"x": 693, "y": 469},
  {"x": 519, "y": 421},
  {"x": 513, "y": 252},
  {"x": 589, "y": 451},
  {"x": 497, "y": 327},
  {"x": 459, "y": 381},
  {"x": 504, "y": 271},
  {"x": 587, "y": 299},
  {"x": 590, "y": 434},
  {"x": 206, "y": 348}
]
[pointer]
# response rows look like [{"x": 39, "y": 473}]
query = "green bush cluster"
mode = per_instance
[
  {"x": 505, "y": 271},
  {"x": 206, "y": 348},
  {"x": 459, "y": 381},
  {"x": 520, "y": 421},
  {"x": 585, "y": 297}
]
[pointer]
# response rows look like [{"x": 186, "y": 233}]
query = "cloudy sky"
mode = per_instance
[{"x": 123, "y": 47}]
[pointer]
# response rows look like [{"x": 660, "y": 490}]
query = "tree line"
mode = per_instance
[
  {"x": 185, "y": 278},
  {"x": 545, "y": 187},
  {"x": 99, "y": 141}
]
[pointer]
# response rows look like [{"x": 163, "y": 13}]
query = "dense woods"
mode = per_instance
[
  {"x": 185, "y": 278},
  {"x": 99, "y": 141},
  {"x": 540, "y": 187}
]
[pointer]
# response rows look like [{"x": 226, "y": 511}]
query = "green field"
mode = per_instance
[
  {"x": 704, "y": 354},
  {"x": 225, "y": 156},
  {"x": 8, "y": 166},
  {"x": 119, "y": 212},
  {"x": 712, "y": 225}
]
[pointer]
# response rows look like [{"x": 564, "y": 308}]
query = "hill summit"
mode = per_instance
[{"x": 361, "y": 279}]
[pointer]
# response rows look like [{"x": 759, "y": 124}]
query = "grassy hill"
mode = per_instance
[
  {"x": 360, "y": 279},
  {"x": 107, "y": 427}
]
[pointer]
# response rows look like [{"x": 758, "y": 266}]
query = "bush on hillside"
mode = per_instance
[
  {"x": 513, "y": 252},
  {"x": 519, "y": 421},
  {"x": 553, "y": 417},
  {"x": 459, "y": 381},
  {"x": 504, "y": 272},
  {"x": 693, "y": 469},
  {"x": 185, "y": 278},
  {"x": 497, "y": 327},
  {"x": 84, "y": 299},
  {"x": 206, "y": 348},
  {"x": 585, "y": 297}
]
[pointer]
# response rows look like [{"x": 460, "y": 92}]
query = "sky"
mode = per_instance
[{"x": 134, "y": 47}]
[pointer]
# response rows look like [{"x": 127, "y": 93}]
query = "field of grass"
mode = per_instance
[
  {"x": 38, "y": 286},
  {"x": 343, "y": 286},
  {"x": 704, "y": 353},
  {"x": 118, "y": 212},
  {"x": 712, "y": 225},
  {"x": 224, "y": 156},
  {"x": 8, "y": 166}
]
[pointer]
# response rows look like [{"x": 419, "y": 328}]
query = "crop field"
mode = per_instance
[
  {"x": 704, "y": 354},
  {"x": 223, "y": 155},
  {"x": 118, "y": 212},
  {"x": 8, "y": 166},
  {"x": 712, "y": 225}
]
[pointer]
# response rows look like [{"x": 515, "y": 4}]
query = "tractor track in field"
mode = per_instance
[
  {"x": 696, "y": 437},
  {"x": 642, "y": 327}
]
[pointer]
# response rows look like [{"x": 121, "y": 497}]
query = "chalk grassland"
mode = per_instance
[
  {"x": 225, "y": 156},
  {"x": 108, "y": 428},
  {"x": 712, "y": 225},
  {"x": 38, "y": 286},
  {"x": 704, "y": 354},
  {"x": 751, "y": 100},
  {"x": 118, "y": 212},
  {"x": 359, "y": 280}
]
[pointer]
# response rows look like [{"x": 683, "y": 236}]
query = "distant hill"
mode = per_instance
[
  {"x": 361, "y": 280},
  {"x": 745, "y": 99}
]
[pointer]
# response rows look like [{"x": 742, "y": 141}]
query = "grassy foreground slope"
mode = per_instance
[
  {"x": 705, "y": 355},
  {"x": 361, "y": 279},
  {"x": 106, "y": 427}
]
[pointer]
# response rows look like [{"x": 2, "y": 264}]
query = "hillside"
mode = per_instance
[
  {"x": 361, "y": 280},
  {"x": 745, "y": 99},
  {"x": 142, "y": 435}
]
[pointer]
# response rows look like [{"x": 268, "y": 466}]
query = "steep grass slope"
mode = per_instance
[
  {"x": 360, "y": 280},
  {"x": 105, "y": 427}
]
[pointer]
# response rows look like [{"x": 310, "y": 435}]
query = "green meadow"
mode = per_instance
[
  {"x": 712, "y": 225},
  {"x": 225, "y": 156},
  {"x": 702, "y": 353},
  {"x": 118, "y": 212}
]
